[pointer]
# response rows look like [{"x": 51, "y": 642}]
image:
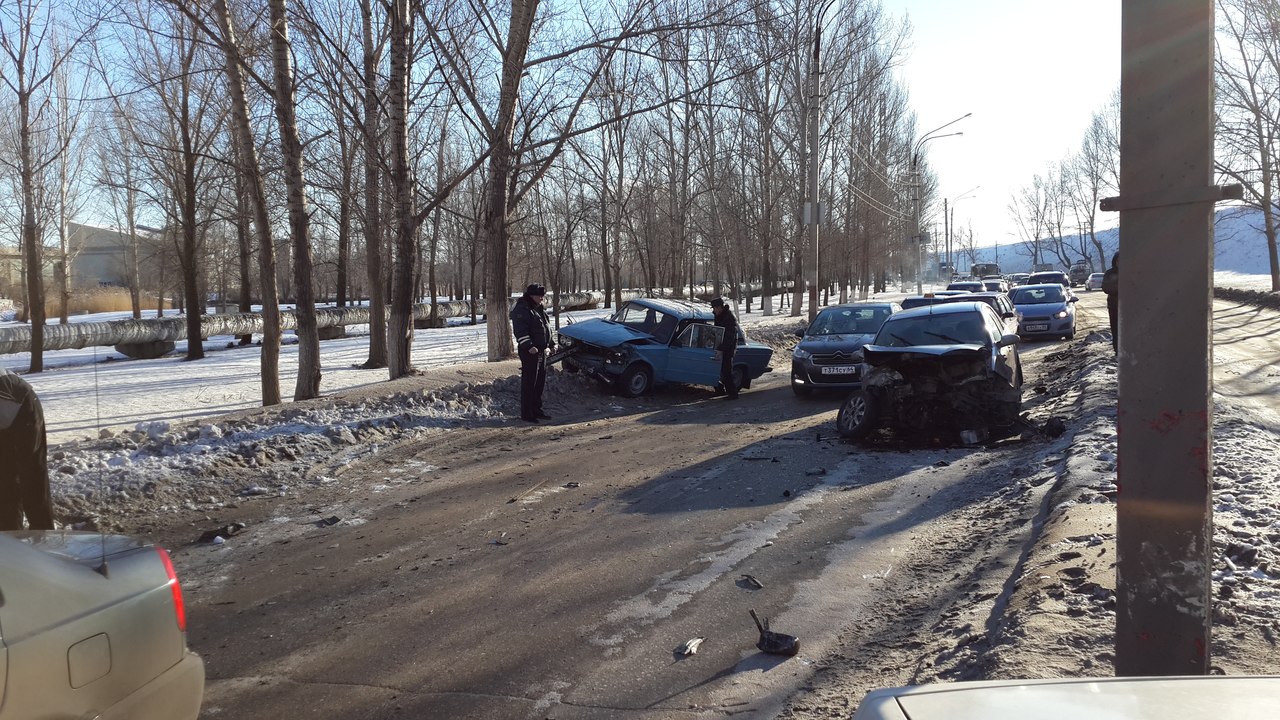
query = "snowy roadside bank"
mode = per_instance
[{"x": 1061, "y": 619}]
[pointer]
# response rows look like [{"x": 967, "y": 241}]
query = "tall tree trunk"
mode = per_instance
[
  {"x": 344, "y": 223},
  {"x": 31, "y": 237},
  {"x": 400, "y": 331},
  {"x": 501, "y": 166},
  {"x": 308, "y": 385},
  {"x": 251, "y": 173},
  {"x": 245, "y": 249},
  {"x": 188, "y": 255},
  {"x": 373, "y": 196}
]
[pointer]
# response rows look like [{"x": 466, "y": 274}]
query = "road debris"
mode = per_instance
[
  {"x": 220, "y": 534},
  {"x": 690, "y": 647},
  {"x": 753, "y": 582},
  {"x": 774, "y": 643}
]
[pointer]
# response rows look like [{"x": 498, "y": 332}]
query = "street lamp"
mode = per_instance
[
  {"x": 813, "y": 208},
  {"x": 915, "y": 176}
]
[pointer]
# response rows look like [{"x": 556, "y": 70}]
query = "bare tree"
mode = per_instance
[
  {"x": 308, "y": 384},
  {"x": 1094, "y": 173},
  {"x": 1248, "y": 108},
  {"x": 32, "y": 60},
  {"x": 249, "y": 172},
  {"x": 118, "y": 177}
]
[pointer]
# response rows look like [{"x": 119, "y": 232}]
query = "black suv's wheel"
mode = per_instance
[
  {"x": 801, "y": 390},
  {"x": 636, "y": 380},
  {"x": 857, "y": 415}
]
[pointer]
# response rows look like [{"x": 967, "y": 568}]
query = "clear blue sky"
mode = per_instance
[{"x": 1032, "y": 72}]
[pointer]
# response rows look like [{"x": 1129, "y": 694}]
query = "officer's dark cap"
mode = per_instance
[
  {"x": 718, "y": 303},
  {"x": 535, "y": 289}
]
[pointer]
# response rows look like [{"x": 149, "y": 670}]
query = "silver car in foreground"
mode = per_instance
[
  {"x": 1135, "y": 698},
  {"x": 93, "y": 626}
]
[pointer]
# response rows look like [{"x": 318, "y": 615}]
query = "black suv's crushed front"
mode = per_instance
[{"x": 964, "y": 381}]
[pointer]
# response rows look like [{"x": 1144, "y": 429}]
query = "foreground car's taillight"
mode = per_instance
[{"x": 179, "y": 609}]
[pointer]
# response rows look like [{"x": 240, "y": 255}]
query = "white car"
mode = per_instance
[
  {"x": 1133, "y": 698},
  {"x": 94, "y": 626},
  {"x": 1094, "y": 282}
]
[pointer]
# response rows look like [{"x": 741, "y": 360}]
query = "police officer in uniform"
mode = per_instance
[
  {"x": 728, "y": 345},
  {"x": 24, "y": 470},
  {"x": 532, "y": 329}
]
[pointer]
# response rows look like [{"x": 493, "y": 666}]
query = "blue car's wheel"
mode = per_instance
[
  {"x": 857, "y": 416},
  {"x": 635, "y": 380},
  {"x": 741, "y": 377}
]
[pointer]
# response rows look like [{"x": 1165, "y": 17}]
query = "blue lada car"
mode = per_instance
[{"x": 650, "y": 341}]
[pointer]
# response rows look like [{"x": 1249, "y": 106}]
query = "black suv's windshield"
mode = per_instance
[
  {"x": 1037, "y": 296},
  {"x": 963, "y": 328}
]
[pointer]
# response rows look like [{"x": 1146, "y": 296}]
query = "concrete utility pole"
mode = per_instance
[
  {"x": 1163, "y": 513},
  {"x": 813, "y": 208}
]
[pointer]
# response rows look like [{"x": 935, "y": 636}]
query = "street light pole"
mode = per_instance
[
  {"x": 813, "y": 209},
  {"x": 915, "y": 180}
]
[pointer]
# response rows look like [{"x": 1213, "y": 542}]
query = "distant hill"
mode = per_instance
[{"x": 1239, "y": 246}]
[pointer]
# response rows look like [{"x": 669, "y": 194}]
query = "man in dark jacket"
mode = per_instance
[
  {"x": 1111, "y": 286},
  {"x": 24, "y": 470},
  {"x": 728, "y": 345},
  {"x": 532, "y": 329}
]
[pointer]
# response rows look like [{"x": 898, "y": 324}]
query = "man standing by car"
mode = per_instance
[
  {"x": 24, "y": 470},
  {"x": 728, "y": 345},
  {"x": 1111, "y": 286},
  {"x": 533, "y": 341}
]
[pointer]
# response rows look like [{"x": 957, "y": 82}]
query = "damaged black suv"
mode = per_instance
[{"x": 945, "y": 367}]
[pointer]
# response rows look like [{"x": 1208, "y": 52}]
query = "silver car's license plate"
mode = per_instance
[
  {"x": 840, "y": 370},
  {"x": 1037, "y": 327}
]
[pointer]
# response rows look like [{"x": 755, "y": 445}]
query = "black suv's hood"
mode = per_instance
[{"x": 833, "y": 343}]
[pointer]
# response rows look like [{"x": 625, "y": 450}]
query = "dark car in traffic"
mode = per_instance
[
  {"x": 649, "y": 341},
  {"x": 829, "y": 354},
  {"x": 947, "y": 367},
  {"x": 1049, "y": 276}
]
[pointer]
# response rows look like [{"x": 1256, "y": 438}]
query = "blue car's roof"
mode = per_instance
[{"x": 682, "y": 309}]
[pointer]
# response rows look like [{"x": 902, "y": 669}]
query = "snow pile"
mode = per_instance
[{"x": 161, "y": 467}]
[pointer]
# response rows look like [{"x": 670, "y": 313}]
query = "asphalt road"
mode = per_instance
[{"x": 515, "y": 571}]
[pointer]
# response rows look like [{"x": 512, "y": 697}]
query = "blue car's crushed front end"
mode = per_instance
[{"x": 601, "y": 348}]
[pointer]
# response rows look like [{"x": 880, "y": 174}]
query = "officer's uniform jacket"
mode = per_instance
[{"x": 530, "y": 325}]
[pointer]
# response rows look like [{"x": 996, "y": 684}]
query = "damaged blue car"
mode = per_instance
[{"x": 649, "y": 341}]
